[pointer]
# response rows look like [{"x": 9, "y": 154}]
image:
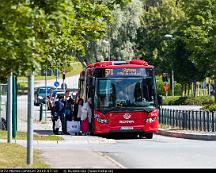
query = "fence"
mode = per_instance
[{"x": 189, "y": 120}]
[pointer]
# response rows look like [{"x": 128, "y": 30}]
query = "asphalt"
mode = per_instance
[{"x": 69, "y": 157}]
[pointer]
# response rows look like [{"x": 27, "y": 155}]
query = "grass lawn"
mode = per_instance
[
  {"x": 15, "y": 156},
  {"x": 72, "y": 70},
  {"x": 23, "y": 136}
]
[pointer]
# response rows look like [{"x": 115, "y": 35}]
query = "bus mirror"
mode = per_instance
[{"x": 160, "y": 99}]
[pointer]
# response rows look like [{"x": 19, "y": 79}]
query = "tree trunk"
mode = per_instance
[
  {"x": 185, "y": 89},
  {"x": 194, "y": 93},
  {"x": 188, "y": 89},
  {"x": 182, "y": 90}
]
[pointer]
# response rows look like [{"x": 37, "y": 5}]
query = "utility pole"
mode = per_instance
[
  {"x": 173, "y": 82},
  {"x": 46, "y": 92},
  {"x": 14, "y": 105},
  {"x": 63, "y": 79},
  {"x": 30, "y": 101},
  {"x": 172, "y": 71},
  {"x": 30, "y": 118},
  {"x": 9, "y": 108}
]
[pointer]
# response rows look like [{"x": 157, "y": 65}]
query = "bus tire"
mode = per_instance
[{"x": 149, "y": 135}]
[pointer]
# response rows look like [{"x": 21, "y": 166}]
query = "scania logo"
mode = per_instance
[{"x": 127, "y": 116}]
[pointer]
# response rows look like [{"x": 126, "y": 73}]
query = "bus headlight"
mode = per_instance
[
  {"x": 152, "y": 116},
  {"x": 150, "y": 120}
]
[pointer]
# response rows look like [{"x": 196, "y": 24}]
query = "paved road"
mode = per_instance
[
  {"x": 98, "y": 152},
  {"x": 72, "y": 82},
  {"x": 163, "y": 152}
]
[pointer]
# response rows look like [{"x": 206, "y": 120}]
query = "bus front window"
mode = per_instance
[{"x": 134, "y": 93}]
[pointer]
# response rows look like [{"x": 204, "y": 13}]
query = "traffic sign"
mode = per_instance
[
  {"x": 56, "y": 72},
  {"x": 166, "y": 87},
  {"x": 56, "y": 83}
]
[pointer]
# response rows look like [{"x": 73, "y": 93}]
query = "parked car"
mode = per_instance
[
  {"x": 54, "y": 97},
  {"x": 73, "y": 92},
  {"x": 40, "y": 94},
  {"x": 58, "y": 93}
]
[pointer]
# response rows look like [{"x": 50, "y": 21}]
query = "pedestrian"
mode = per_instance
[
  {"x": 58, "y": 114},
  {"x": 78, "y": 110},
  {"x": 50, "y": 102},
  {"x": 87, "y": 114},
  {"x": 68, "y": 104}
]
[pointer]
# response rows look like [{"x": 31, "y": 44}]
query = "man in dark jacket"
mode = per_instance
[{"x": 59, "y": 113}]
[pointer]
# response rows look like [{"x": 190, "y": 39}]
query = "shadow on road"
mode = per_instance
[
  {"x": 122, "y": 136},
  {"x": 44, "y": 132}
]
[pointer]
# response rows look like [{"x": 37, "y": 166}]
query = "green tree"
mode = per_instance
[
  {"x": 122, "y": 32},
  {"x": 15, "y": 37},
  {"x": 157, "y": 21},
  {"x": 47, "y": 33},
  {"x": 199, "y": 30}
]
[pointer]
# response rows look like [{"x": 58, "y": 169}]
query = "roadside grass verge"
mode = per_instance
[
  {"x": 164, "y": 126},
  {"x": 72, "y": 70},
  {"x": 23, "y": 136},
  {"x": 15, "y": 156}
]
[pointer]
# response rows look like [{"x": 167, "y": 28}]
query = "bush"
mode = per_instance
[
  {"x": 210, "y": 107},
  {"x": 177, "y": 100},
  {"x": 170, "y": 100}
]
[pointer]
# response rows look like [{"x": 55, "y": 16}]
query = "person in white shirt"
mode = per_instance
[{"x": 87, "y": 112}]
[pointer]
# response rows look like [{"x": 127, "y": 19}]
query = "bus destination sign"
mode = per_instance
[{"x": 127, "y": 72}]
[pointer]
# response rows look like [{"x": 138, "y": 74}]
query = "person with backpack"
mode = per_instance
[{"x": 59, "y": 115}]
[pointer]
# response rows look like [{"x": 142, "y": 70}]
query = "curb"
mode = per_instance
[{"x": 204, "y": 137}]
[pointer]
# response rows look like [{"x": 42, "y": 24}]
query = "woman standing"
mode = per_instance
[{"x": 68, "y": 104}]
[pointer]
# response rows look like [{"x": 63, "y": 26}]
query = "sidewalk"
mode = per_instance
[
  {"x": 188, "y": 134},
  {"x": 70, "y": 152}
]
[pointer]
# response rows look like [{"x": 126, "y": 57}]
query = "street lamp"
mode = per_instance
[
  {"x": 107, "y": 43},
  {"x": 169, "y": 36}
]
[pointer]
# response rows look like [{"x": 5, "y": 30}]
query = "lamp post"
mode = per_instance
[
  {"x": 169, "y": 36},
  {"x": 107, "y": 43}
]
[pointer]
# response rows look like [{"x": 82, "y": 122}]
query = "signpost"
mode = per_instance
[
  {"x": 56, "y": 84},
  {"x": 63, "y": 78},
  {"x": 166, "y": 88},
  {"x": 165, "y": 83}
]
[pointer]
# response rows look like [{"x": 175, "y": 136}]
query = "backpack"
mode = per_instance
[{"x": 59, "y": 108}]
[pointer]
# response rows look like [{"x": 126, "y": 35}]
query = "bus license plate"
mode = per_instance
[{"x": 127, "y": 128}]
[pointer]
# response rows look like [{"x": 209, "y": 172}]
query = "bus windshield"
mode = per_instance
[{"x": 133, "y": 93}]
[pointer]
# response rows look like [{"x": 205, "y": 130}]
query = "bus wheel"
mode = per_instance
[{"x": 149, "y": 135}]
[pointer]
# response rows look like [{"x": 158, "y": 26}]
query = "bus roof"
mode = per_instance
[{"x": 121, "y": 64}]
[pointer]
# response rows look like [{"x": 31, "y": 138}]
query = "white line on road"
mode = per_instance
[{"x": 112, "y": 160}]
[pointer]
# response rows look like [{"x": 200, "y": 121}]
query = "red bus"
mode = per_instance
[{"x": 124, "y": 97}]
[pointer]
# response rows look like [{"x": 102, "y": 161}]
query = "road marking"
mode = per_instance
[{"x": 109, "y": 158}]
